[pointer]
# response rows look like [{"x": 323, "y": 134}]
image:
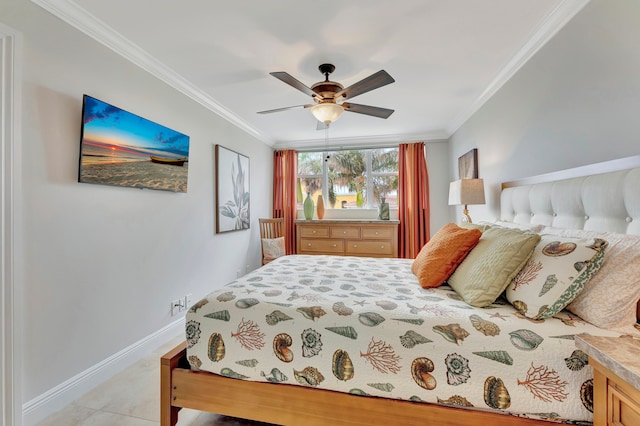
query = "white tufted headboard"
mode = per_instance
[{"x": 600, "y": 197}]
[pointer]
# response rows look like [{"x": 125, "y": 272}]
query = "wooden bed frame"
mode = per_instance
[{"x": 284, "y": 404}]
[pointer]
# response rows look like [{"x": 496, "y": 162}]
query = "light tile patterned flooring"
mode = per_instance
[{"x": 132, "y": 398}]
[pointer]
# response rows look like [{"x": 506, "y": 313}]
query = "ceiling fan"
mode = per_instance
[{"x": 329, "y": 96}]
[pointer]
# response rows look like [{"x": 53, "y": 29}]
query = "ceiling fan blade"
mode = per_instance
[
  {"x": 368, "y": 110},
  {"x": 374, "y": 81},
  {"x": 284, "y": 109},
  {"x": 291, "y": 81}
]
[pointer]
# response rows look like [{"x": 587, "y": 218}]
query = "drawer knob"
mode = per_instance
[
  {"x": 381, "y": 247},
  {"x": 355, "y": 246},
  {"x": 308, "y": 244},
  {"x": 344, "y": 232},
  {"x": 377, "y": 233},
  {"x": 334, "y": 246},
  {"x": 314, "y": 231}
]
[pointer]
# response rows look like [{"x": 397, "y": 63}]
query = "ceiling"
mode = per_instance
[{"x": 447, "y": 57}]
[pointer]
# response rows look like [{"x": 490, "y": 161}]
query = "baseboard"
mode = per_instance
[{"x": 58, "y": 397}]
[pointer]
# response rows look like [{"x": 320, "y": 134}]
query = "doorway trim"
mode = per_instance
[{"x": 10, "y": 368}]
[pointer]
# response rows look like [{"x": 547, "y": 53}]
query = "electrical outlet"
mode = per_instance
[
  {"x": 176, "y": 306},
  {"x": 187, "y": 301}
]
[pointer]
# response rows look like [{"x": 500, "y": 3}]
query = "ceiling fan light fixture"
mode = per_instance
[{"x": 327, "y": 112}]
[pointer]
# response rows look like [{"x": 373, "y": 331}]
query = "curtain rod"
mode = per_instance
[{"x": 334, "y": 148}]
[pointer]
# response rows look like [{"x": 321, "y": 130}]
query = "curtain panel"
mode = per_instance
[
  {"x": 285, "y": 175},
  {"x": 413, "y": 199}
]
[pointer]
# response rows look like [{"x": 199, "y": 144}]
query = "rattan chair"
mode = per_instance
[{"x": 270, "y": 228}]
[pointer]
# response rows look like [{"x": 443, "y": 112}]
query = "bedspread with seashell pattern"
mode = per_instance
[{"x": 366, "y": 327}]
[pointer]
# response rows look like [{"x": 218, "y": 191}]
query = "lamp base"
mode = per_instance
[{"x": 465, "y": 215}]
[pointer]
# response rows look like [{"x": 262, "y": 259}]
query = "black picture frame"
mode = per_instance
[{"x": 468, "y": 165}]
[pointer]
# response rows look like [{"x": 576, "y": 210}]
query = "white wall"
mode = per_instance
[
  {"x": 438, "y": 171},
  {"x": 101, "y": 264},
  {"x": 575, "y": 102}
]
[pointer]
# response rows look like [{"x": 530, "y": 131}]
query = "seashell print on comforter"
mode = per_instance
[{"x": 366, "y": 327}]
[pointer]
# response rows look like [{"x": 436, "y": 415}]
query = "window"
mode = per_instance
[{"x": 351, "y": 178}]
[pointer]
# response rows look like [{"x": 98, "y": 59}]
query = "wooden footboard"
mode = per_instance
[{"x": 294, "y": 405}]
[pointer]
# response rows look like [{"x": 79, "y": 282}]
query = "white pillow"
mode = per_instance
[
  {"x": 531, "y": 227},
  {"x": 273, "y": 248},
  {"x": 555, "y": 274}
]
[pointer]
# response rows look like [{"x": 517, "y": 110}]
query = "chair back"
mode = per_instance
[{"x": 271, "y": 228}]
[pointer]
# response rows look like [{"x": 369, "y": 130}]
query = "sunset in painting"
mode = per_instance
[{"x": 120, "y": 148}]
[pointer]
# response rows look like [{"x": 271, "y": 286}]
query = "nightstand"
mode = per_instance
[{"x": 616, "y": 378}]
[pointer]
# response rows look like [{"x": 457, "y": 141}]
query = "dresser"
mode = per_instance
[
  {"x": 368, "y": 238},
  {"x": 616, "y": 378}
]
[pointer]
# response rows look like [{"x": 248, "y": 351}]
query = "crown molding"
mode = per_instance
[
  {"x": 553, "y": 22},
  {"x": 79, "y": 18},
  {"x": 82, "y": 20}
]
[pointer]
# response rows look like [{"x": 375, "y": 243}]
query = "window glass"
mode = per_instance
[
  {"x": 349, "y": 178},
  {"x": 384, "y": 175},
  {"x": 310, "y": 180}
]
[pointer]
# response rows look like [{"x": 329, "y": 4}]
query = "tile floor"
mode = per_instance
[{"x": 132, "y": 398}]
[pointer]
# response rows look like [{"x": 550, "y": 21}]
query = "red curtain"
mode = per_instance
[
  {"x": 413, "y": 200},
  {"x": 285, "y": 176}
]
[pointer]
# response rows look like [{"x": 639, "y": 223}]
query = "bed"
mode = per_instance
[{"x": 323, "y": 339}]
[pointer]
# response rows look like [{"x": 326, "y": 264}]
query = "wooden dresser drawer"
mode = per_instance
[
  {"x": 316, "y": 231},
  {"x": 317, "y": 246},
  {"x": 382, "y": 232},
  {"x": 347, "y": 237},
  {"x": 345, "y": 232},
  {"x": 370, "y": 248}
]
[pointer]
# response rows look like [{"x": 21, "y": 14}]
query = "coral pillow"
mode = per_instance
[{"x": 443, "y": 253}]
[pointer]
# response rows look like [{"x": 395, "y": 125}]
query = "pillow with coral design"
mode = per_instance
[{"x": 555, "y": 274}]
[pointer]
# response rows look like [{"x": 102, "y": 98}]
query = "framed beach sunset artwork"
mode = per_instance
[
  {"x": 232, "y": 190},
  {"x": 123, "y": 149}
]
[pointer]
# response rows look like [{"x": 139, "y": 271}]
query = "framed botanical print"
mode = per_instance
[
  {"x": 232, "y": 190},
  {"x": 468, "y": 165}
]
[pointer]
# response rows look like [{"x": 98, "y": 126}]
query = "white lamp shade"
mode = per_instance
[
  {"x": 466, "y": 191},
  {"x": 327, "y": 113}
]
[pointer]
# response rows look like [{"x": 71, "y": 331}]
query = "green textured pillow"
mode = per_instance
[
  {"x": 489, "y": 268},
  {"x": 555, "y": 274}
]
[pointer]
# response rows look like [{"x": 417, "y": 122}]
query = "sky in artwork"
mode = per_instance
[{"x": 109, "y": 131}]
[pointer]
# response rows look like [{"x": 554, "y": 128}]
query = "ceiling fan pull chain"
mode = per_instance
[{"x": 326, "y": 143}]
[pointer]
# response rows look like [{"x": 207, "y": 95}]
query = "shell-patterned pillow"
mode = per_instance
[
  {"x": 273, "y": 248},
  {"x": 555, "y": 274}
]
